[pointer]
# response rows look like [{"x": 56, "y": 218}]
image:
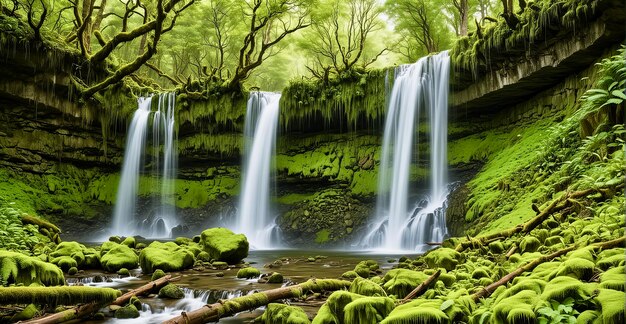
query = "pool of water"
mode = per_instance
[{"x": 203, "y": 286}]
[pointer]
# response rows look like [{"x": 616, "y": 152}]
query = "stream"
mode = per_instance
[{"x": 204, "y": 286}]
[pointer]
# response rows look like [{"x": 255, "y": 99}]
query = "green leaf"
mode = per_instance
[
  {"x": 447, "y": 304},
  {"x": 614, "y": 101},
  {"x": 619, "y": 94}
]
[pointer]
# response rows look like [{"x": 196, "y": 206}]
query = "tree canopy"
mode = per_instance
[{"x": 201, "y": 44}]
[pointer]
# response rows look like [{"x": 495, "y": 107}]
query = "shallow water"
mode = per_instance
[{"x": 205, "y": 287}]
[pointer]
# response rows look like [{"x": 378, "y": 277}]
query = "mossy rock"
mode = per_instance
[
  {"x": 529, "y": 244},
  {"x": 115, "y": 239},
  {"x": 65, "y": 262},
  {"x": 576, "y": 267},
  {"x": 17, "y": 268},
  {"x": 275, "y": 278},
  {"x": 171, "y": 291},
  {"x": 157, "y": 274},
  {"x": 130, "y": 242},
  {"x": 349, "y": 274},
  {"x": 135, "y": 302},
  {"x": 364, "y": 268},
  {"x": 553, "y": 240},
  {"x": 283, "y": 314},
  {"x": 496, "y": 247},
  {"x": 128, "y": 311},
  {"x": 418, "y": 311},
  {"x": 480, "y": 273},
  {"x": 400, "y": 282},
  {"x": 165, "y": 256},
  {"x": 519, "y": 308},
  {"x": 366, "y": 287},
  {"x": 72, "y": 271},
  {"x": 347, "y": 307},
  {"x": 27, "y": 313},
  {"x": 220, "y": 265},
  {"x": 224, "y": 245},
  {"x": 116, "y": 256},
  {"x": 443, "y": 258},
  {"x": 203, "y": 256},
  {"x": 249, "y": 272},
  {"x": 123, "y": 272}
]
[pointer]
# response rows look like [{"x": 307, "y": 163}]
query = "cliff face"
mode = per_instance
[{"x": 61, "y": 158}]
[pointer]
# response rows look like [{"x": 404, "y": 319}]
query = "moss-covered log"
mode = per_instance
[
  {"x": 419, "y": 290},
  {"x": 486, "y": 291},
  {"x": 57, "y": 295},
  {"x": 556, "y": 205},
  {"x": 230, "y": 307}
]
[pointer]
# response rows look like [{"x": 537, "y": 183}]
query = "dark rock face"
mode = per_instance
[{"x": 455, "y": 213}]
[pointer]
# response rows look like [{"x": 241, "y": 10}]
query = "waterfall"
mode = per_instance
[
  {"x": 420, "y": 88},
  {"x": 254, "y": 219},
  {"x": 160, "y": 221}
]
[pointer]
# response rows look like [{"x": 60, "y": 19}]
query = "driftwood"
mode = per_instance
[
  {"x": 486, "y": 291},
  {"x": 213, "y": 312},
  {"x": 419, "y": 290},
  {"x": 87, "y": 309},
  {"x": 556, "y": 205}
]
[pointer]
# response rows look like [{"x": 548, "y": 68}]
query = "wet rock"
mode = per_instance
[
  {"x": 171, "y": 291},
  {"x": 275, "y": 278},
  {"x": 129, "y": 311},
  {"x": 180, "y": 230},
  {"x": 224, "y": 245}
]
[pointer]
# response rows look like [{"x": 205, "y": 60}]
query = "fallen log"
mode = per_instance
[
  {"x": 511, "y": 251},
  {"x": 619, "y": 242},
  {"x": 556, "y": 205},
  {"x": 486, "y": 291},
  {"x": 214, "y": 312},
  {"x": 143, "y": 290},
  {"x": 419, "y": 290},
  {"x": 87, "y": 309}
]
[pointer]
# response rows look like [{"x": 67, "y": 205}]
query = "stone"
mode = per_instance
[
  {"x": 171, "y": 291},
  {"x": 129, "y": 311},
  {"x": 224, "y": 245}
]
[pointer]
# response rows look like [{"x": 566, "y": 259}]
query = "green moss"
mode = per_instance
[
  {"x": 418, "y": 311},
  {"x": 576, "y": 267},
  {"x": 349, "y": 274},
  {"x": 27, "y": 313},
  {"x": 129, "y": 241},
  {"x": 560, "y": 288},
  {"x": 443, "y": 258},
  {"x": 366, "y": 287},
  {"x": 322, "y": 236},
  {"x": 613, "y": 279},
  {"x": 165, "y": 256},
  {"x": 224, "y": 245},
  {"x": 605, "y": 263},
  {"x": 611, "y": 305},
  {"x": 400, "y": 282},
  {"x": 171, "y": 291},
  {"x": 275, "y": 278},
  {"x": 16, "y": 268},
  {"x": 57, "y": 295},
  {"x": 368, "y": 310},
  {"x": 128, "y": 311},
  {"x": 158, "y": 273},
  {"x": 529, "y": 244},
  {"x": 347, "y": 98},
  {"x": 116, "y": 256},
  {"x": 518, "y": 308},
  {"x": 283, "y": 314},
  {"x": 248, "y": 272}
]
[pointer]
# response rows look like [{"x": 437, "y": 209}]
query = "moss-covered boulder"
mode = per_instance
[
  {"x": 73, "y": 254},
  {"x": 443, "y": 258},
  {"x": 165, "y": 256},
  {"x": 366, "y": 287},
  {"x": 347, "y": 307},
  {"x": 158, "y": 273},
  {"x": 224, "y": 245},
  {"x": 275, "y": 278},
  {"x": 116, "y": 256},
  {"x": 248, "y": 272},
  {"x": 128, "y": 311},
  {"x": 171, "y": 291},
  {"x": 283, "y": 314},
  {"x": 130, "y": 242},
  {"x": 17, "y": 268},
  {"x": 400, "y": 282}
]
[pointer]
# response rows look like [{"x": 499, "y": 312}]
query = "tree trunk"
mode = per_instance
[
  {"x": 230, "y": 307},
  {"x": 87, "y": 309}
]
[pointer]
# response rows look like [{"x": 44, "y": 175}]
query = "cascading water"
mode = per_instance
[
  {"x": 163, "y": 217},
  {"x": 254, "y": 219},
  {"x": 418, "y": 88}
]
